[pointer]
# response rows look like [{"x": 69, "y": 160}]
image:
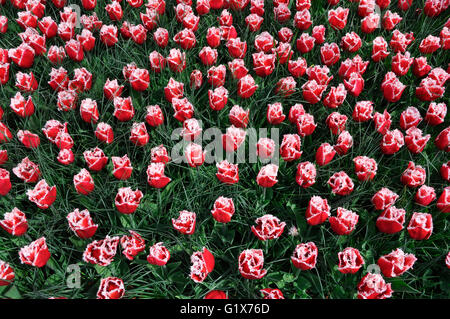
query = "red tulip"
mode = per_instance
[
  {"x": 379, "y": 49},
  {"x": 370, "y": 23},
  {"x": 257, "y": 7},
  {"x": 338, "y": 18},
  {"x": 443, "y": 202},
  {"x": 295, "y": 111},
  {"x": 21, "y": 107},
  {"x": 401, "y": 63},
  {"x": 223, "y": 209},
  {"x": 123, "y": 108},
  {"x": 302, "y": 19},
  {"x": 80, "y": 222},
  {"x": 23, "y": 55},
  {"x": 159, "y": 154},
  {"x": 305, "y": 43},
  {"x": 104, "y": 133},
  {"x": 413, "y": 176},
  {"x": 290, "y": 147},
  {"x": 445, "y": 38},
  {"x": 238, "y": 116},
  {"x": 392, "y": 142},
  {"x": 344, "y": 143},
  {"x": 267, "y": 176},
  {"x": 28, "y": 139},
  {"x": 185, "y": 39},
  {"x": 196, "y": 79},
  {"x": 114, "y": 10},
  {"x": 351, "y": 42},
  {"x": 139, "y": 79},
  {"x": 318, "y": 34},
  {"x": 365, "y": 167},
  {"x": 111, "y": 288},
  {"x": 132, "y": 244},
  {"x": 161, "y": 37},
  {"x": 251, "y": 263},
  {"x": 373, "y": 286},
  {"x": 445, "y": 171},
  {"x": 420, "y": 226},
  {"x": 263, "y": 64},
  {"x": 366, "y": 7},
  {"x": 227, "y": 173},
  {"x": 297, "y": 67},
  {"x": 382, "y": 122},
  {"x": 415, "y": 141},
  {"x": 264, "y": 42},
  {"x": 127, "y": 200},
  {"x": 194, "y": 155},
  {"x": 391, "y": 220},
  {"x": 275, "y": 113},
  {"x": 425, "y": 195},
  {"x": 318, "y": 211},
  {"x": 282, "y": 13},
  {"x": 430, "y": 44},
  {"x": 122, "y": 168},
  {"x": 101, "y": 252},
  {"x": 336, "y": 122},
  {"x": 108, "y": 35},
  {"x": 208, "y": 56},
  {"x": 436, "y": 113},
  {"x": 202, "y": 264},
  {"x": 305, "y": 124},
  {"x": 400, "y": 41},
  {"x": 83, "y": 181},
  {"x": 254, "y": 22},
  {"x": 155, "y": 175},
  {"x": 312, "y": 91},
  {"x": 384, "y": 198},
  {"x": 185, "y": 223},
  {"x": 324, "y": 154},
  {"x": 74, "y": 50},
  {"x": 218, "y": 98},
  {"x": 87, "y": 40},
  {"x": 268, "y": 227},
  {"x": 442, "y": 141},
  {"x": 285, "y": 35},
  {"x": 89, "y": 111},
  {"x": 306, "y": 174},
  {"x": 396, "y": 263},
  {"x": 216, "y": 75},
  {"x": 363, "y": 111},
  {"x": 285, "y": 86},
  {"x": 158, "y": 255},
  {"x": 350, "y": 261},
  {"x": 14, "y": 222},
  {"x": 341, "y": 183},
  {"x": 213, "y": 37},
  {"x": 345, "y": 221},
  {"x": 6, "y": 274},
  {"x": 65, "y": 156},
  {"x": 139, "y": 135},
  {"x": 183, "y": 109},
  {"x": 390, "y": 20},
  {"x": 3, "y": 24}
]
